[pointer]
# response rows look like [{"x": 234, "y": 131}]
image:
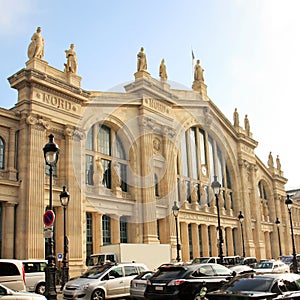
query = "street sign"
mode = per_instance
[
  {"x": 59, "y": 256},
  {"x": 49, "y": 217},
  {"x": 48, "y": 232}
]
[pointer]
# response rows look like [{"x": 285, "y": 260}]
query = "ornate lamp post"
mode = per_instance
[
  {"x": 175, "y": 210},
  {"x": 289, "y": 204},
  {"x": 241, "y": 219},
  {"x": 277, "y": 222},
  {"x": 51, "y": 152},
  {"x": 64, "y": 201},
  {"x": 216, "y": 188}
]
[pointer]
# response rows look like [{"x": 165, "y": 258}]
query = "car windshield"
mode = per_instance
[
  {"x": 287, "y": 259},
  {"x": 95, "y": 272},
  {"x": 250, "y": 284},
  {"x": 265, "y": 265}
]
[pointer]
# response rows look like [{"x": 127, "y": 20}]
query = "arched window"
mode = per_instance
[
  {"x": 104, "y": 148},
  {"x": 201, "y": 158},
  {"x": 2, "y": 152},
  {"x": 262, "y": 191}
]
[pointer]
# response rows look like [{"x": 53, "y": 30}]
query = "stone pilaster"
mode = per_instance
[
  {"x": 228, "y": 236},
  {"x": 8, "y": 218},
  {"x": 205, "y": 240},
  {"x": 184, "y": 241},
  {"x": 195, "y": 238},
  {"x": 12, "y": 172}
]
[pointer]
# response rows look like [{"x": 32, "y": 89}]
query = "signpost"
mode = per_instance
[{"x": 49, "y": 217}]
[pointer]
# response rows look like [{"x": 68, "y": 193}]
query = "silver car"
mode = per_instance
[{"x": 103, "y": 282}]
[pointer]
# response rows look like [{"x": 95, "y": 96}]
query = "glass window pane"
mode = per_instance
[
  {"x": 2, "y": 148},
  {"x": 120, "y": 152},
  {"x": 90, "y": 139},
  {"x": 184, "y": 161},
  {"x": 104, "y": 145},
  {"x": 106, "y": 230},
  {"x": 202, "y": 147},
  {"x": 89, "y": 169},
  {"x": 194, "y": 157}
]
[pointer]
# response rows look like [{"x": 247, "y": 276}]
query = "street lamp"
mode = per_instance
[
  {"x": 51, "y": 152},
  {"x": 277, "y": 222},
  {"x": 289, "y": 204},
  {"x": 64, "y": 201},
  {"x": 175, "y": 210},
  {"x": 216, "y": 188},
  {"x": 241, "y": 219}
]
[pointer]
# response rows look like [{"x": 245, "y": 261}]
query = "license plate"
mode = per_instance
[{"x": 159, "y": 288}]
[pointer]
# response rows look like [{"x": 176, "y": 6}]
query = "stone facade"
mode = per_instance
[{"x": 125, "y": 158}]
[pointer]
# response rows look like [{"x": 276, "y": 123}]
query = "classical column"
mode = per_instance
[
  {"x": 205, "y": 240},
  {"x": 97, "y": 231},
  {"x": 184, "y": 241},
  {"x": 8, "y": 230},
  {"x": 268, "y": 245},
  {"x": 195, "y": 237},
  {"x": 214, "y": 240},
  {"x": 115, "y": 229},
  {"x": 229, "y": 239}
]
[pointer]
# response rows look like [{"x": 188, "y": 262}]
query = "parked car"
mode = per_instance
[
  {"x": 9, "y": 294},
  {"x": 35, "y": 275},
  {"x": 257, "y": 286},
  {"x": 288, "y": 259},
  {"x": 248, "y": 261},
  {"x": 204, "y": 260},
  {"x": 272, "y": 266},
  {"x": 103, "y": 282},
  {"x": 242, "y": 269},
  {"x": 186, "y": 280},
  {"x": 232, "y": 260},
  {"x": 12, "y": 274},
  {"x": 138, "y": 285}
]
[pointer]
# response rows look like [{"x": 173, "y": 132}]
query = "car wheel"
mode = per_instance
[
  {"x": 98, "y": 295},
  {"x": 40, "y": 289}
]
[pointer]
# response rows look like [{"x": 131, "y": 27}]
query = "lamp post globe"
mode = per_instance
[
  {"x": 289, "y": 204},
  {"x": 64, "y": 197},
  {"x": 51, "y": 153},
  {"x": 175, "y": 210},
  {"x": 216, "y": 186}
]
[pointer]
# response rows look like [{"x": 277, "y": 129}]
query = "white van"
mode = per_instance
[
  {"x": 12, "y": 274},
  {"x": 35, "y": 275}
]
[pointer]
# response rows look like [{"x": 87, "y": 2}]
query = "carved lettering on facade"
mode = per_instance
[
  {"x": 246, "y": 149},
  {"x": 58, "y": 102},
  {"x": 157, "y": 105}
]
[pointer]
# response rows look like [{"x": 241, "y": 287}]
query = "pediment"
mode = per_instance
[{"x": 152, "y": 88}]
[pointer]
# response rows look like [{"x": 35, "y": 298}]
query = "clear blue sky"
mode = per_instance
[{"x": 249, "y": 49}]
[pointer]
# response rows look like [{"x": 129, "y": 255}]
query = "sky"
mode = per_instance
[{"x": 249, "y": 49}]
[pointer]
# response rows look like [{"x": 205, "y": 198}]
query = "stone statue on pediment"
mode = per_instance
[
  {"x": 278, "y": 163},
  {"x": 198, "y": 72},
  {"x": 270, "y": 160},
  {"x": 163, "y": 71},
  {"x": 236, "y": 120},
  {"x": 36, "y": 47},
  {"x": 71, "y": 65},
  {"x": 142, "y": 61},
  {"x": 247, "y": 125}
]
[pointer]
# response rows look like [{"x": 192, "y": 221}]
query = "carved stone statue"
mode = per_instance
[
  {"x": 278, "y": 163},
  {"x": 142, "y": 61},
  {"x": 98, "y": 175},
  {"x": 116, "y": 178},
  {"x": 194, "y": 194},
  {"x": 247, "y": 125},
  {"x": 270, "y": 160},
  {"x": 156, "y": 145},
  {"x": 163, "y": 71},
  {"x": 36, "y": 47},
  {"x": 198, "y": 73},
  {"x": 236, "y": 121},
  {"x": 71, "y": 65}
]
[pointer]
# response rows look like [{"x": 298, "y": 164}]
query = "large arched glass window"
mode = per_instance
[
  {"x": 201, "y": 158},
  {"x": 2, "y": 152},
  {"x": 104, "y": 148}
]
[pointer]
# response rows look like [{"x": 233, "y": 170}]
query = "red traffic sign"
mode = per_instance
[{"x": 49, "y": 217}]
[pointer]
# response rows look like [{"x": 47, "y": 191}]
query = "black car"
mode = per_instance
[
  {"x": 258, "y": 286},
  {"x": 185, "y": 281}
]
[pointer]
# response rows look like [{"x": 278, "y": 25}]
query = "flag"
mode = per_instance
[{"x": 193, "y": 56}]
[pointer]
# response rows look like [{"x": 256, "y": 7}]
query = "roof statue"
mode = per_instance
[
  {"x": 236, "y": 121},
  {"x": 36, "y": 47},
  {"x": 142, "y": 61},
  {"x": 270, "y": 160},
  {"x": 247, "y": 125},
  {"x": 163, "y": 71},
  {"x": 71, "y": 65},
  {"x": 198, "y": 72},
  {"x": 278, "y": 164}
]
